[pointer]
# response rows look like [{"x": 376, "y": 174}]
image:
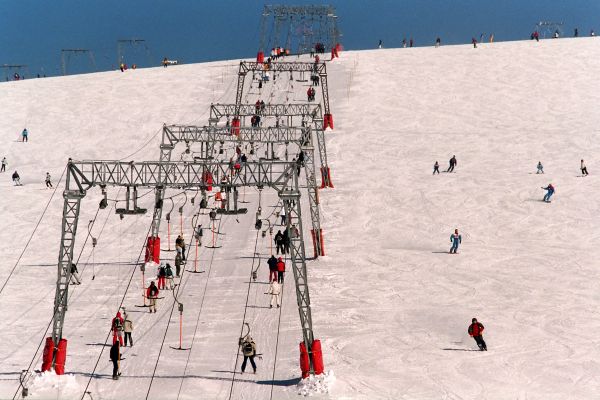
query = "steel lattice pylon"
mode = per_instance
[
  {"x": 84, "y": 175},
  {"x": 298, "y": 28}
]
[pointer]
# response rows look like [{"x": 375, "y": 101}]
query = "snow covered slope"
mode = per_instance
[{"x": 389, "y": 304}]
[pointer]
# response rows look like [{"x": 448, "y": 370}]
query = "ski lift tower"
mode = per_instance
[
  {"x": 293, "y": 26},
  {"x": 65, "y": 57},
  {"x": 123, "y": 43},
  {"x": 9, "y": 68},
  {"x": 548, "y": 28}
]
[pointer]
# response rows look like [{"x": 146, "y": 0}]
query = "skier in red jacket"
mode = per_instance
[
  {"x": 280, "y": 270},
  {"x": 117, "y": 328},
  {"x": 476, "y": 331}
]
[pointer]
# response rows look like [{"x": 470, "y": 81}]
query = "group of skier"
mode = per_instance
[{"x": 121, "y": 324}]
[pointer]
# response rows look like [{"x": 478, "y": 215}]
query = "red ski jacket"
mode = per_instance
[
  {"x": 281, "y": 266},
  {"x": 151, "y": 292},
  {"x": 476, "y": 329}
]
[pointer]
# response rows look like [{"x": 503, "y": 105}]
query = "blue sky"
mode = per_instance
[{"x": 34, "y": 31}]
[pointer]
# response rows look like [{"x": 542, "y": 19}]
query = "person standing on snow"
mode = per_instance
[
  {"x": 436, "y": 168},
  {"x": 115, "y": 357},
  {"x": 282, "y": 215},
  {"x": 452, "y": 163},
  {"x": 549, "y": 193},
  {"x": 249, "y": 351},
  {"x": 583, "y": 169},
  {"x": 272, "y": 262},
  {"x": 162, "y": 276},
  {"x": 152, "y": 295},
  {"x": 128, "y": 328},
  {"x": 280, "y": 270},
  {"x": 4, "y": 164},
  {"x": 279, "y": 242},
  {"x": 16, "y": 179},
  {"x": 117, "y": 328},
  {"x": 169, "y": 275},
  {"x": 24, "y": 135},
  {"x": 540, "y": 168},
  {"x": 178, "y": 265},
  {"x": 476, "y": 331},
  {"x": 48, "y": 182},
  {"x": 438, "y": 42},
  {"x": 286, "y": 241},
  {"x": 275, "y": 292},
  {"x": 455, "y": 239}
]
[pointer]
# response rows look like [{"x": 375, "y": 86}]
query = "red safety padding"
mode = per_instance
[
  {"x": 321, "y": 242},
  {"x": 61, "y": 357},
  {"x": 314, "y": 239},
  {"x": 235, "y": 126},
  {"x": 304, "y": 361},
  {"x": 260, "y": 57},
  {"x": 48, "y": 354},
  {"x": 149, "y": 249},
  {"x": 317, "y": 355},
  {"x": 156, "y": 252}
]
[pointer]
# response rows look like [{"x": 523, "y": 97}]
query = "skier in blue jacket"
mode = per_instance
[
  {"x": 549, "y": 193},
  {"x": 456, "y": 239}
]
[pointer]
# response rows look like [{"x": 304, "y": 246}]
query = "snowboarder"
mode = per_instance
[
  {"x": 177, "y": 265},
  {"x": 128, "y": 328},
  {"x": 475, "y": 331},
  {"x": 152, "y": 295},
  {"x": 16, "y": 179},
  {"x": 117, "y": 328},
  {"x": 436, "y": 168},
  {"x": 272, "y": 262},
  {"x": 115, "y": 357},
  {"x": 249, "y": 351},
  {"x": 452, "y": 163},
  {"x": 169, "y": 275},
  {"x": 455, "y": 239},
  {"x": 279, "y": 242},
  {"x": 48, "y": 182},
  {"x": 583, "y": 169},
  {"x": 162, "y": 276},
  {"x": 4, "y": 163},
  {"x": 549, "y": 193},
  {"x": 280, "y": 270},
  {"x": 275, "y": 292},
  {"x": 540, "y": 168},
  {"x": 74, "y": 277},
  {"x": 24, "y": 135}
]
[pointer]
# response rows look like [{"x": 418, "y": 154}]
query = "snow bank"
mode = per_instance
[
  {"x": 318, "y": 384},
  {"x": 49, "y": 385}
]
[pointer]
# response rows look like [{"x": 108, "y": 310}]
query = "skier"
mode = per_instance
[
  {"x": 380, "y": 45},
  {"x": 128, "y": 328},
  {"x": 117, "y": 328},
  {"x": 280, "y": 270},
  {"x": 475, "y": 331},
  {"x": 180, "y": 246},
  {"x": 48, "y": 182},
  {"x": 536, "y": 36},
  {"x": 576, "y": 33},
  {"x": 249, "y": 351},
  {"x": 286, "y": 241},
  {"x": 583, "y": 169},
  {"x": 115, "y": 357},
  {"x": 74, "y": 277},
  {"x": 456, "y": 239},
  {"x": 410, "y": 42},
  {"x": 279, "y": 242},
  {"x": 540, "y": 168},
  {"x": 24, "y": 135},
  {"x": 549, "y": 193},
  {"x": 438, "y": 42},
  {"x": 282, "y": 215},
  {"x": 162, "y": 276},
  {"x": 452, "y": 163},
  {"x": 272, "y": 262},
  {"x": 474, "y": 41},
  {"x": 177, "y": 265},
  {"x": 169, "y": 275},
  {"x": 4, "y": 163},
  {"x": 592, "y": 33},
  {"x": 275, "y": 292},
  {"x": 152, "y": 295},
  {"x": 436, "y": 168},
  {"x": 16, "y": 179}
]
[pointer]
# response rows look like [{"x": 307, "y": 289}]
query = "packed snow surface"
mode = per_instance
[{"x": 390, "y": 306}]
